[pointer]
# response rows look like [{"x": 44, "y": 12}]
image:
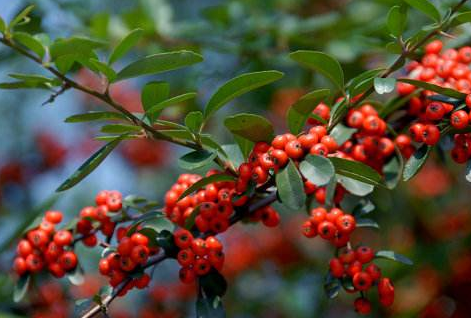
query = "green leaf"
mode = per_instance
[
  {"x": 393, "y": 171},
  {"x": 158, "y": 63},
  {"x": 2, "y": 25},
  {"x": 125, "y": 45},
  {"x": 317, "y": 169},
  {"x": 468, "y": 171},
  {"x": 194, "y": 120},
  {"x": 323, "y": 63},
  {"x": 245, "y": 145},
  {"x": 170, "y": 102},
  {"x": 81, "y": 306},
  {"x": 364, "y": 222},
  {"x": 397, "y": 19},
  {"x": 394, "y": 256},
  {"x": 331, "y": 286},
  {"x": 120, "y": 129},
  {"x": 30, "y": 42},
  {"x": 238, "y": 86},
  {"x": 75, "y": 46},
  {"x": 342, "y": 133},
  {"x": 213, "y": 284},
  {"x": 461, "y": 18},
  {"x": 355, "y": 187},
  {"x": 154, "y": 93},
  {"x": 205, "y": 181},
  {"x": 364, "y": 81},
  {"x": 290, "y": 187},
  {"x": 21, "y": 16},
  {"x": 209, "y": 307},
  {"x": 196, "y": 159},
  {"x": 24, "y": 84},
  {"x": 165, "y": 240},
  {"x": 435, "y": 88},
  {"x": 76, "y": 276},
  {"x": 384, "y": 85},
  {"x": 88, "y": 166},
  {"x": 416, "y": 162},
  {"x": 21, "y": 287},
  {"x": 234, "y": 154},
  {"x": 356, "y": 170},
  {"x": 363, "y": 208},
  {"x": 34, "y": 79},
  {"x": 426, "y": 7},
  {"x": 300, "y": 111},
  {"x": 91, "y": 116},
  {"x": 104, "y": 69},
  {"x": 249, "y": 126}
]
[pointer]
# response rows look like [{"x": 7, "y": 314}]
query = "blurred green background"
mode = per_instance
[{"x": 272, "y": 273}]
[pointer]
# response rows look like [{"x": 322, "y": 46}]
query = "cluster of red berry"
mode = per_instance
[
  {"x": 132, "y": 253},
  {"x": 197, "y": 256},
  {"x": 334, "y": 225},
  {"x": 214, "y": 202},
  {"x": 351, "y": 265},
  {"x": 106, "y": 201},
  {"x": 449, "y": 69},
  {"x": 45, "y": 248}
]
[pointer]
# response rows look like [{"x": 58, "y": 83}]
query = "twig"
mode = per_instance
[{"x": 53, "y": 96}]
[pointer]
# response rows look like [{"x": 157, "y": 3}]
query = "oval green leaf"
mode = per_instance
[
  {"x": 391, "y": 255},
  {"x": 290, "y": 187},
  {"x": 238, "y": 86},
  {"x": 205, "y": 181},
  {"x": 91, "y": 116},
  {"x": 158, "y": 63},
  {"x": 435, "y": 88},
  {"x": 416, "y": 162},
  {"x": 196, "y": 159},
  {"x": 317, "y": 169},
  {"x": 249, "y": 126},
  {"x": 356, "y": 170},
  {"x": 323, "y": 63},
  {"x": 125, "y": 45},
  {"x": 426, "y": 7}
]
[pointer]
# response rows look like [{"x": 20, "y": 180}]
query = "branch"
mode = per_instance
[{"x": 105, "y": 97}]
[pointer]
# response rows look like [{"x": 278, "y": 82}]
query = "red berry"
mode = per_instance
[
  {"x": 143, "y": 281},
  {"x": 202, "y": 266},
  {"x": 309, "y": 230},
  {"x": 459, "y": 119},
  {"x": 19, "y": 266},
  {"x": 374, "y": 271},
  {"x": 187, "y": 275},
  {"x": 125, "y": 246},
  {"x": 24, "y": 248},
  {"x": 434, "y": 47},
  {"x": 199, "y": 247},
  {"x": 346, "y": 223},
  {"x": 326, "y": 230},
  {"x": 294, "y": 149},
  {"x": 362, "y": 306},
  {"x": 140, "y": 254},
  {"x": 54, "y": 217},
  {"x": 104, "y": 266},
  {"x": 431, "y": 135},
  {"x": 63, "y": 238},
  {"x": 364, "y": 254},
  {"x": 139, "y": 239},
  {"x": 90, "y": 240},
  {"x": 56, "y": 270},
  {"x": 183, "y": 238},
  {"x": 336, "y": 268},
  {"x": 68, "y": 260},
  {"x": 330, "y": 143},
  {"x": 362, "y": 281},
  {"x": 101, "y": 197}
]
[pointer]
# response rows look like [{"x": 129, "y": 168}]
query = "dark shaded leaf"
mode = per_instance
[
  {"x": 426, "y": 7},
  {"x": 300, "y": 111},
  {"x": 21, "y": 287},
  {"x": 290, "y": 187},
  {"x": 196, "y": 159},
  {"x": 435, "y": 88},
  {"x": 249, "y": 126},
  {"x": 393, "y": 256},
  {"x": 91, "y": 116},
  {"x": 415, "y": 162}
]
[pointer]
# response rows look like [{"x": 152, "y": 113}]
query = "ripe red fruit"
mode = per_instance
[
  {"x": 245, "y": 171},
  {"x": 259, "y": 175},
  {"x": 279, "y": 142},
  {"x": 416, "y": 132},
  {"x": 24, "y": 248},
  {"x": 266, "y": 161},
  {"x": 270, "y": 217},
  {"x": 54, "y": 217},
  {"x": 90, "y": 240},
  {"x": 125, "y": 246},
  {"x": 114, "y": 203},
  {"x": 355, "y": 119},
  {"x": 346, "y": 223},
  {"x": 435, "y": 111},
  {"x": 459, "y": 119},
  {"x": 187, "y": 275},
  {"x": 374, "y": 271},
  {"x": 216, "y": 258},
  {"x": 101, "y": 197},
  {"x": 202, "y": 266},
  {"x": 56, "y": 270},
  {"x": 199, "y": 247},
  {"x": 104, "y": 266},
  {"x": 362, "y": 306},
  {"x": 68, "y": 260},
  {"x": 333, "y": 215},
  {"x": 294, "y": 149},
  {"x": 308, "y": 140},
  {"x": 326, "y": 230},
  {"x": 434, "y": 47},
  {"x": 183, "y": 238},
  {"x": 127, "y": 264},
  {"x": 468, "y": 100},
  {"x": 219, "y": 224},
  {"x": 318, "y": 215},
  {"x": 19, "y": 266},
  {"x": 405, "y": 88},
  {"x": 38, "y": 237},
  {"x": 364, "y": 254},
  {"x": 347, "y": 256},
  {"x": 186, "y": 257},
  {"x": 319, "y": 149},
  {"x": 386, "y": 292},
  {"x": 63, "y": 238},
  {"x": 353, "y": 268},
  {"x": 362, "y": 281},
  {"x": 279, "y": 157},
  {"x": 139, "y": 239},
  {"x": 336, "y": 268},
  {"x": 308, "y": 230},
  {"x": 431, "y": 135},
  {"x": 143, "y": 281},
  {"x": 140, "y": 254},
  {"x": 330, "y": 143}
]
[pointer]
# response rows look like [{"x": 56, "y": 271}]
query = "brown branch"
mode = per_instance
[{"x": 105, "y": 97}]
